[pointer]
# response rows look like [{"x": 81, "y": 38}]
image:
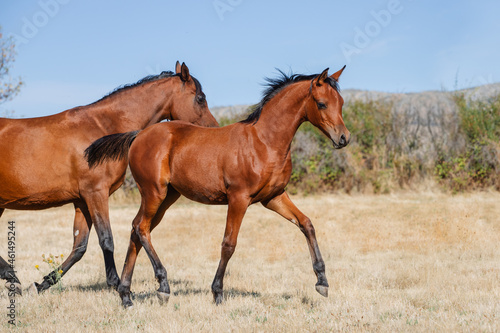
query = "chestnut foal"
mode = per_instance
[{"x": 237, "y": 165}]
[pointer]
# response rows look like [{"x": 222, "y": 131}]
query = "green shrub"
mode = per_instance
[
  {"x": 317, "y": 166},
  {"x": 478, "y": 166},
  {"x": 370, "y": 123},
  {"x": 479, "y": 120},
  {"x": 397, "y": 148}
]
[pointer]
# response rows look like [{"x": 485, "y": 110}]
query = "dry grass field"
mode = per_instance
[{"x": 422, "y": 262}]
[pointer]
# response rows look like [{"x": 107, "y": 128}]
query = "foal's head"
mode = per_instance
[
  {"x": 324, "y": 108},
  {"x": 189, "y": 102}
]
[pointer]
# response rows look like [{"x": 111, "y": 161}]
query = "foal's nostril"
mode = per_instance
[{"x": 342, "y": 140}]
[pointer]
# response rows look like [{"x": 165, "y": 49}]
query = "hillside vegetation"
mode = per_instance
[{"x": 444, "y": 139}]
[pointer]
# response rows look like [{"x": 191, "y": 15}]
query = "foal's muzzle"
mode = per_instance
[{"x": 342, "y": 141}]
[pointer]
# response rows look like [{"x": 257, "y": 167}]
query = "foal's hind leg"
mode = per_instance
[
  {"x": 284, "y": 206},
  {"x": 81, "y": 229},
  {"x": 140, "y": 236}
]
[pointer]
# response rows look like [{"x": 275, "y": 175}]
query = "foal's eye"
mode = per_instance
[{"x": 321, "y": 105}]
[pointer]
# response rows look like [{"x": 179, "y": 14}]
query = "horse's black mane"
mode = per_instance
[
  {"x": 150, "y": 78},
  {"x": 274, "y": 85}
]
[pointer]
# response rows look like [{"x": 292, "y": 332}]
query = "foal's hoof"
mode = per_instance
[
  {"x": 126, "y": 301},
  {"x": 163, "y": 297},
  {"x": 322, "y": 290},
  {"x": 127, "y": 304},
  {"x": 218, "y": 298}
]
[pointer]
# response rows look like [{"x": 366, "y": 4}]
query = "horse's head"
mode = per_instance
[
  {"x": 188, "y": 100},
  {"x": 324, "y": 110}
]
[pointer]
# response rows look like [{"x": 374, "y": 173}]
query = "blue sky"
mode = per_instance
[{"x": 72, "y": 52}]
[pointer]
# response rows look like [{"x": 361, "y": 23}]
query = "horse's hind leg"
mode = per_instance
[
  {"x": 284, "y": 206},
  {"x": 148, "y": 217},
  {"x": 81, "y": 229},
  {"x": 97, "y": 204},
  {"x": 7, "y": 273}
]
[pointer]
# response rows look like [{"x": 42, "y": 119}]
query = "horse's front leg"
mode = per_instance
[
  {"x": 282, "y": 205},
  {"x": 237, "y": 207}
]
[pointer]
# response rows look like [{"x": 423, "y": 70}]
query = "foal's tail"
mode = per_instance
[{"x": 109, "y": 147}]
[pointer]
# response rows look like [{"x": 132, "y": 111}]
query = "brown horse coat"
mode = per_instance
[
  {"x": 237, "y": 165},
  {"x": 42, "y": 163}
]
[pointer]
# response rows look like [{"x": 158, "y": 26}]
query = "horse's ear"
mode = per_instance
[
  {"x": 177, "y": 67},
  {"x": 336, "y": 75},
  {"x": 185, "y": 73},
  {"x": 321, "y": 78}
]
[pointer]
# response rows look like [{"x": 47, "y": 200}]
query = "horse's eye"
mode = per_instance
[
  {"x": 200, "y": 99},
  {"x": 321, "y": 105}
]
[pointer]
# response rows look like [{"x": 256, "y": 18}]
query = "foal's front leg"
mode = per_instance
[
  {"x": 237, "y": 207},
  {"x": 282, "y": 205}
]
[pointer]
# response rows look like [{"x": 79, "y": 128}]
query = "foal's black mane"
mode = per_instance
[
  {"x": 150, "y": 78},
  {"x": 274, "y": 85}
]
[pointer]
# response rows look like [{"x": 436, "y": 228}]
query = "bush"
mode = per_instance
[
  {"x": 477, "y": 166},
  {"x": 317, "y": 166},
  {"x": 397, "y": 143}
]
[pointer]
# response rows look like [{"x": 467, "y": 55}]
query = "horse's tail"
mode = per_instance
[{"x": 109, "y": 147}]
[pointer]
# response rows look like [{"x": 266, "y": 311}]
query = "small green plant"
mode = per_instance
[
  {"x": 54, "y": 263},
  {"x": 453, "y": 173}
]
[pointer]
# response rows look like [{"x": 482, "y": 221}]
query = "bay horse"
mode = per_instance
[
  {"x": 237, "y": 165},
  {"x": 42, "y": 163}
]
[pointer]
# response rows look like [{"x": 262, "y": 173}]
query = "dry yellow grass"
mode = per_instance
[{"x": 402, "y": 262}]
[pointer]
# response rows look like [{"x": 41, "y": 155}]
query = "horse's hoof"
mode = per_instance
[
  {"x": 13, "y": 288},
  {"x": 33, "y": 290},
  {"x": 163, "y": 297},
  {"x": 322, "y": 290},
  {"x": 113, "y": 284},
  {"x": 18, "y": 289}
]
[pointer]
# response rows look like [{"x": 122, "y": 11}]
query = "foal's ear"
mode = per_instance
[
  {"x": 185, "y": 73},
  {"x": 336, "y": 75},
  {"x": 321, "y": 78},
  {"x": 177, "y": 67}
]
